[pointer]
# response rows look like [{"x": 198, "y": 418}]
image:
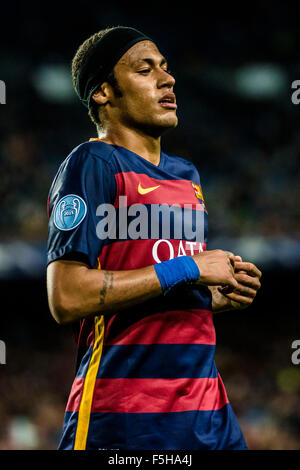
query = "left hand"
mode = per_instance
[{"x": 248, "y": 277}]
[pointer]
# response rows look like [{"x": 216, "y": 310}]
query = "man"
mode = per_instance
[{"x": 137, "y": 279}]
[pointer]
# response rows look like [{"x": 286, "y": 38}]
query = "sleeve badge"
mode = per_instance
[{"x": 69, "y": 212}]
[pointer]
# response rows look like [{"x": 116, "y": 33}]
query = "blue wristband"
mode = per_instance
[{"x": 175, "y": 271}]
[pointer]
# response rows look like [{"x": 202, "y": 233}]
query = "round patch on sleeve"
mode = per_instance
[{"x": 69, "y": 212}]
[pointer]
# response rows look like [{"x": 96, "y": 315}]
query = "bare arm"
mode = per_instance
[{"x": 76, "y": 291}]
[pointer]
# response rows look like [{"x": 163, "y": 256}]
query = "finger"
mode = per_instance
[
  {"x": 250, "y": 268},
  {"x": 246, "y": 291},
  {"x": 226, "y": 289},
  {"x": 246, "y": 280},
  {"x": 231, "y": 257},
  {"x": 228, "y": 253},
  {"x": 230, "y": 284},
  {"x": 241, "y": 290},
  {"x": 242, "y": 299},
  {"x": 240, "y": 271}
]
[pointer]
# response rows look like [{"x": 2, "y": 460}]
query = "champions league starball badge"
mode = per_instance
[{"x": 69, "y": 212}]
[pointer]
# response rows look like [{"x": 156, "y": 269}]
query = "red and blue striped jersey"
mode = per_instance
[{"x": 146, "y": 376}]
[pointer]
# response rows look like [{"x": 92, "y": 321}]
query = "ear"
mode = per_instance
[{"x": 103, "y": 94}]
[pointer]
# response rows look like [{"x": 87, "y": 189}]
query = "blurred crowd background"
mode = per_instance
[{"x": 237, "y": 122}]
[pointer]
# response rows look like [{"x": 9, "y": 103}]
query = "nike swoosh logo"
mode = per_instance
[{"x": 146, "y": 190}]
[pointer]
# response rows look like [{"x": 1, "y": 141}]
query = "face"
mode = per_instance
[{"x": 147, "y": 100}]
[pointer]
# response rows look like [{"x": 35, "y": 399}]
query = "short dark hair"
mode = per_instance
[{"x": 79, "y": 58}]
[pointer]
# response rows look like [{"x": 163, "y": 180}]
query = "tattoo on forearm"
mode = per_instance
[{"x": 107, "y": 284}]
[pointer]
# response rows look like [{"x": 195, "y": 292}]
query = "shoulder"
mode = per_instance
[
  {"x": 85, "y": 156},
  {"x": 87, "y": 164},
  {"x": 96, "y": 151}
]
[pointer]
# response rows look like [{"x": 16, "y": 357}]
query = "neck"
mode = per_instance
[{"x": 136, "y": 141}]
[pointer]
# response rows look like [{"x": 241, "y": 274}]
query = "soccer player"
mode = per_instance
[{"x": 127, "y": 263}]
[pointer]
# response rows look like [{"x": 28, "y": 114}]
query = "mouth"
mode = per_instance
[{"x": 168, "y": 101}]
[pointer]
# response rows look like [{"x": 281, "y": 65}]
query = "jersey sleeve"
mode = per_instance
[{"x": 83, "y": 182}]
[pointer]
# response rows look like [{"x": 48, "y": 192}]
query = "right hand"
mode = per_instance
[{"x": 216, "y": 268}]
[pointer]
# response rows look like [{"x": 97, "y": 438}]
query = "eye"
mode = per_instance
[{"x": 144, "y": 71}]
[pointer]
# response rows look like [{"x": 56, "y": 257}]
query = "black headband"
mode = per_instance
[{"x": 103, "y": 57}]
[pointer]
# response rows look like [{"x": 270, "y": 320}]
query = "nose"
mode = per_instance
[{"x": 165, "y": 79}]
